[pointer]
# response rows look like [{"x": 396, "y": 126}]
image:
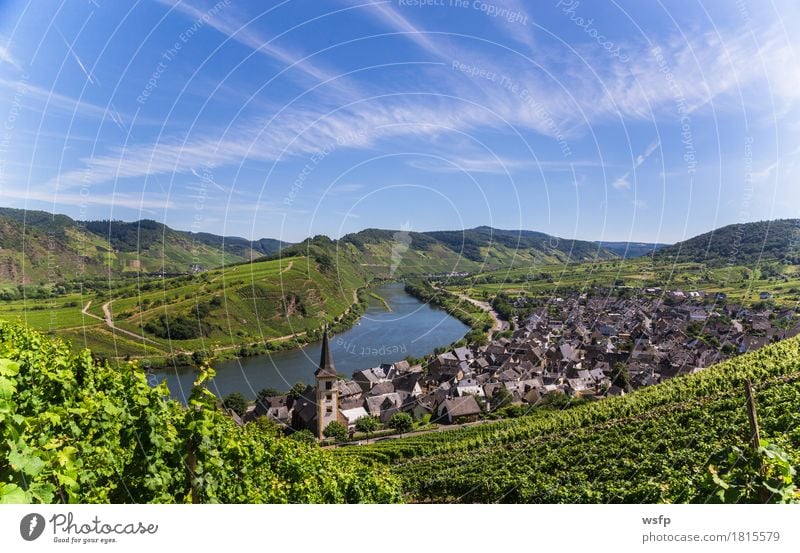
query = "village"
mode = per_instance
[{"x": 588, "y": 346}]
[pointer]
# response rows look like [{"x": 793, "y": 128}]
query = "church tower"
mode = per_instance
[{"x": 327, "y": 390}]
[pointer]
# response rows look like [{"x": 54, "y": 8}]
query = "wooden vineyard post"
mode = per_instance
[
  {"x": 755, "y": 438},
  {"x": 192, "y": 466}
]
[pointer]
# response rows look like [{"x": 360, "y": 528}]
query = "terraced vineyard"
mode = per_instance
[
  {"x": 222, "y": 309},
  {"x": 655, "y": 445}
]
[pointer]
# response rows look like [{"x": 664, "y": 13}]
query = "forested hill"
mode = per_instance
[
  {"x": 740, "y": 244},
  {"x": 629, "y": 250},
  {"x": 400, "y": 253},
  {"x": 38, "y": 246}
]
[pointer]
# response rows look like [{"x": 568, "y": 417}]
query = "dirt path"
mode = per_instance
[
  {"x": 109, "y": 320},
  {"x": 85, "y": 311},
  {"x": 440, "y": 428},
  {"x": 288, "y": 267},
  {"x": 498, "y": 325}
]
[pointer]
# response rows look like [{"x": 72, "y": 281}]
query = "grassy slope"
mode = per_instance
[
  {"x": 739, "y": 282},
  {"x": 36, "y": 246},
  {"x": 392, "y": 253},
  {"x": 256, "y": 301},
  {"x": 740, "y": 244},
  {"x": 651, "y": 446}
]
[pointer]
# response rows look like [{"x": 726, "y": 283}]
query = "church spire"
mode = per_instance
[{"x": 326, "y": 367}]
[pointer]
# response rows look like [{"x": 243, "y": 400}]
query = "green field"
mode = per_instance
[
  {"x": 219, "y": 310},
  {"x": 739, "y": 283}
]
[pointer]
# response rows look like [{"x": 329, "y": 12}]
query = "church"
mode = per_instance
[{"x": 318, "y": 406}]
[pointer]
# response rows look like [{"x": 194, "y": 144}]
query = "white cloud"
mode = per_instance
[
  {"x": 346, "y": 188},
  {"x": 51, "y": 100},
  {"x": 296, "y": 132},
  {"x": 394, "y": 20},
  {"x": 6, "y": 57},
  {"x": 86, "y": 72},
  {"x": 622, "y": 183},
  {"x": 131, "y": 201},
  {"x": 242, "y": 31}
]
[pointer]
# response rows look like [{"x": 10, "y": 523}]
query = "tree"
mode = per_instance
[
  {"x": 268, "y": 392},
  {"x": 621, "y": 377},
  {"x": 199, "y": 357},
  {"x": 402, "y": 422},
  {"x": 303, "y": 436},
  {"x": 236, "y": 402},
  {"x": 335, "y": 430},
  {"x": 296, "y": 390},
  {"x": 501, "y": 398},
  {"x": 368, "y": 424}
]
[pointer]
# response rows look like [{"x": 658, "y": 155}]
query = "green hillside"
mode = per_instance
[
  {"x": 740, "y": 244},
  {"x": 76, "y": 431},
  {"x": 36, "y": 246},
  {"x": 386, "y": 253},
  {"x": 631, "y": 250},
  {"x": 683, "y": 441}
]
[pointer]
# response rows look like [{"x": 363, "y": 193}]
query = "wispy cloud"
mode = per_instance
[
  {"x": 6, "y": 57},
  {"x": 490, "y": 164},
  {"x": 623, "y": 182},
  {"x": 242, "y": 31},
  {"x": 89, "y": 76},
  {"x": 301, "y": 131},
  {"x": 520, "y": 26},
  {"x": 49, "y": 100},
  {"x": 385, "y": 13},
  {"x": 347, "y": 188},
  {"x": 131, "y": 201}
]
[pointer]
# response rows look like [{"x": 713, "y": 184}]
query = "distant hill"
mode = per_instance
[
  {"x": 399, "y": 253},
  {"x": 39, "y": 246},
  {"x": 740, "y": 244},
  {"x": 630, "y": 250}
]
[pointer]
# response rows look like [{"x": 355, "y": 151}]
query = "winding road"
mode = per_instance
[{"x": 109, "y": 320}]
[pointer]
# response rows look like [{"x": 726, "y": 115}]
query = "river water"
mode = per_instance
[{"x": 381, "y": 336}]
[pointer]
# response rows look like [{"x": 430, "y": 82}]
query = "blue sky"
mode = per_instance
[{"x": 607, "y": 121}]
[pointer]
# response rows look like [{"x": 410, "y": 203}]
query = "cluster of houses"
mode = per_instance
[{"x": 566, "y": 345}]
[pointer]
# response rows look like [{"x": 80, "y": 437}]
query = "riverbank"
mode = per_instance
[
  {"x": 381, "y": 299},
  {"x": 480, "y": 322},
  {"x": 412, "y": 329},
  {"x": 185, "y": 359}
]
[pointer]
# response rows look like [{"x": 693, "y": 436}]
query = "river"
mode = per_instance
[{"x": 381, "y": 336}]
